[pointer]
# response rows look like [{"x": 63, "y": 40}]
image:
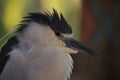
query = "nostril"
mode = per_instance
[{"x": 57, "y": 34}]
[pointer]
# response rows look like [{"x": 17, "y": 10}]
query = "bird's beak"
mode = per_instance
[{"x": 76, "y": 45}]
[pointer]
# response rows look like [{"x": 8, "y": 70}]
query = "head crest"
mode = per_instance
[{"x": 56, "y": 22}]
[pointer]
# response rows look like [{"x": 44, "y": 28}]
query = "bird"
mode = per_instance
[{"x": 40, "y": 49}]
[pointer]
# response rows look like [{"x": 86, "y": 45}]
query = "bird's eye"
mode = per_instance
[{"x": 57, "y": 34}]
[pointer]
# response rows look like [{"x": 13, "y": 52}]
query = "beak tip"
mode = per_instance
[{"x": 95, "y": 55}]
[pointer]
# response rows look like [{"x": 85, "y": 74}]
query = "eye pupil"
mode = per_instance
[{"x": 57, "y": 34}]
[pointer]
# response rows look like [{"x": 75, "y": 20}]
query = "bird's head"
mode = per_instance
[{"x": 51, "y": 29}]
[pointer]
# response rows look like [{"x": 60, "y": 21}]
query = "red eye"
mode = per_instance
[{"x": 57, "y": 34}]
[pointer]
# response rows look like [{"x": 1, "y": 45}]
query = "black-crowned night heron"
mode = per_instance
[{"x": 40, "y": 49}]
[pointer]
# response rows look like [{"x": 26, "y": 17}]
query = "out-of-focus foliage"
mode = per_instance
[{"x": 11, "y": 12}]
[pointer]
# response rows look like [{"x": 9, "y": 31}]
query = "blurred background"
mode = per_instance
[{"x": 96, "y": 23}]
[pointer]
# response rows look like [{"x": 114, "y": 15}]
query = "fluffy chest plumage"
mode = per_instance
[
  {"x": 50, "y": 64},
  {"x": 46, "y": 63}
]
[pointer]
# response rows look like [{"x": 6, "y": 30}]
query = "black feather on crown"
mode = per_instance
[{"x": 56, "y": 22}]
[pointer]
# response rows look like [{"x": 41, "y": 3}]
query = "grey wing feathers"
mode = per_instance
[{"x": 4, "y": 57}]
